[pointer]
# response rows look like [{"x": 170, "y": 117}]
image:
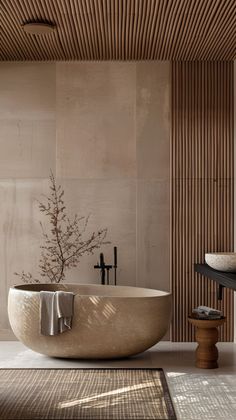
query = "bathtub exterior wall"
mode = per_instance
[
  {"x": 103, "y": 327},
  {"x": 103, "y": 128}
]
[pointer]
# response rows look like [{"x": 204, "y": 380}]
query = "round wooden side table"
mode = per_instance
[{"x": 206, "y": 337}]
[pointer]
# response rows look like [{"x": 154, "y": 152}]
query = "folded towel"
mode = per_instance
[
  {"x": 201, "y": 315},
  {"x": 208, "y": 311},
  {"x": 56, "y": 310},
  {"x": 204, "y": 312}
]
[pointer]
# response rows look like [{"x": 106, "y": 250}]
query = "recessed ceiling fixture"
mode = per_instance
[{"x": 38, "y": 28}]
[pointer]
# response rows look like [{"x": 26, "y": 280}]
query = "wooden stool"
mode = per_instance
[{"x": 206, "y": 337}]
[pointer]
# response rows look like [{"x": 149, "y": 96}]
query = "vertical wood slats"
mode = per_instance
[
  {"x": 202, "y": 186},
  {"x": 120, "y": 30}
]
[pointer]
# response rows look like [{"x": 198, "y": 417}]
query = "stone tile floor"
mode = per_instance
[{"x": 196, "y": 393}]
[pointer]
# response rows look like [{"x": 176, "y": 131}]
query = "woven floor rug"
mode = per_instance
[{"x": 98, "y": 394}]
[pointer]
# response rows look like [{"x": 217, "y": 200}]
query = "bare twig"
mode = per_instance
[{"x": 64, "y": 244}]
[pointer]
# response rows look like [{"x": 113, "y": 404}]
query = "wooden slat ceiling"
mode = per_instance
[{"x": 120, "y": 30}]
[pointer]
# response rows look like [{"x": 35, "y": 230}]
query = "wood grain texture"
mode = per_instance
[
  {"x": 120, "y": 30},
  {"x": 202, "y": 186},
  {"x": 207, "y": 334}
]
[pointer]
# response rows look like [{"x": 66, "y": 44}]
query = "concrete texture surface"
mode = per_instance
[{"x": 103, "y": 128}]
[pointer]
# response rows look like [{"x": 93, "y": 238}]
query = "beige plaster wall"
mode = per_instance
[{"x": 103, "y": 128}]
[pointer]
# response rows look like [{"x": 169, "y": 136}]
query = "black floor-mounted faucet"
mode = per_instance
[
  {"x": 105, "y": 269},
  {"x": 115, "y": 263}
]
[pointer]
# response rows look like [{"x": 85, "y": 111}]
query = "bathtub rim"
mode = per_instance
[{"x": 164, "y": 294}]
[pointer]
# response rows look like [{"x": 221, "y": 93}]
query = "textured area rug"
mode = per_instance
[{"x": 98, "y": 394}]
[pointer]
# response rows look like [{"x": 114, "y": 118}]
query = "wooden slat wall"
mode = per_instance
[
  {"x": 120, "y": 30},
  {"x": 202, "y": 185}
]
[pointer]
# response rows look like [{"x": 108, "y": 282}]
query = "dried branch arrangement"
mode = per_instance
[{"x": 65, "y": 244}]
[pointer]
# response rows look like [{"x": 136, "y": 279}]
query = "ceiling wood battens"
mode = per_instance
[{"x": 120, "y": 30}]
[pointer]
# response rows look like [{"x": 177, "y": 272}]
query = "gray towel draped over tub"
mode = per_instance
[{"x": 56, "y": 312}]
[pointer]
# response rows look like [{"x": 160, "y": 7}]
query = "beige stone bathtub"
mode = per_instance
[{"x": 108, "y": 322}]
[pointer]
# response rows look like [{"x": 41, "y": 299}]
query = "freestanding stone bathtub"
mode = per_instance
[{"x": 108, "y": 322}]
